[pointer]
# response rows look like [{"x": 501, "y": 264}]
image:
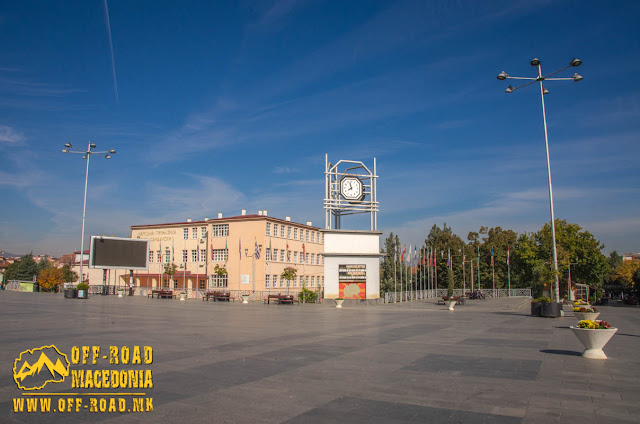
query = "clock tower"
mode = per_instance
[{"x": 351, "y": 257}]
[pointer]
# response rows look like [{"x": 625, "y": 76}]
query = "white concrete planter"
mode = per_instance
[
  {"x": 586, "y": 315},
  {"x": 452, "y": 303},
  {"x": 594, "y": 340},
  {"x": 183, "y": 296},
  {"x": 120, "y": 293},
  {"x": 245, "y": 298},
  {"x": 339, "y": 303}
]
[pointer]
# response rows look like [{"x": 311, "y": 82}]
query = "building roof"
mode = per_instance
[{"x": 230, "y": 218}]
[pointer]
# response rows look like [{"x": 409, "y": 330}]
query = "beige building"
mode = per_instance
[{"x": 253, "y": 249}]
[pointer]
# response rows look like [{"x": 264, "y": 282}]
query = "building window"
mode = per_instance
[
  {"x": 266, "y": 280},
  {"x": 295, "y": 233},
  {"x": 295, "y": 281},
  {"x": 313, "y": 256},
  {"x": 219, "y": 255},
  {"x": 322, "y": 238},
  {"x": 295, "y": 257},
  {"x": 306, "y": 258},
  {"x": 267, "y": 254},
  {"x": 275, "y": 255},
  {"x": 165, "y": 283},
  {"x": 150, "y": 255},
  {"x": 194, "y": 233},
  {"x": 275, "y": 280},
  {"x": 194, "y": 255},
  {"x": 282, "y": 231},
  {"x": 268, "y": 229},
  {"x": 288, "y": 256},
  {"x": 281, "y": 281},
  {"x": 281, "y": 255},
  {"x": 313, "y": 281},
  {"x": 203, "y": 255},
  {"x": 322, "y": 261},
  {"x": 167, "y": 255},
  {"x": 288, "y": 232},
  {"x": 185, "y": 256},
  {"x": 219, "y": 280},
  {"x": 202, "y": 284},
  {"x": 313, "y": 237},
  {"x": 159, "y": 256},
  {"x": 203, "y": 232},
  {"x": 275, "y": 230},
  {"x": 306, "y": 235},
  {"x": 175, "y": 284},
  {"x": 185, "y": 233},
  {"x": 220, "y": 230},
  {"x": 301, "y": 234}
]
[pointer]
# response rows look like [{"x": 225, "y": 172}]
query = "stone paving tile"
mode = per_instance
[{"x": 233, "y": 363}]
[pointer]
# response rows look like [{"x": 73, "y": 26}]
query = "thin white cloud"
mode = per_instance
[{"x": 10, "y": 135}]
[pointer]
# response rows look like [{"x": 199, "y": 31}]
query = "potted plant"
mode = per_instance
[
  {"x": 120, "y": 292},
  {"x": 245, "y": 297},
  {"x": 70, "y": 292},
  {"x": 83, "y": 290},
  {"x": 536, "y": 306},
  {"x": 594, "y": 335},
  {"x": 551, "y": 309},
  {"x": 339, "y": 302},
  {"x": 586, "y": 313}
]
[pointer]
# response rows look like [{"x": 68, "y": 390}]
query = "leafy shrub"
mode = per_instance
[
  {"x": 307, "y": 296},
  {"x": 83, "y": 286},
  {"x": 542, "y": 300}
]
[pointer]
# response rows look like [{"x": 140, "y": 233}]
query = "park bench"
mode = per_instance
[
  {"x": 165, "y": 294},
  {"x": 280, "y": 298},
  {"x": 218, "y": 296},
  {"x": 460, "y": 300}
]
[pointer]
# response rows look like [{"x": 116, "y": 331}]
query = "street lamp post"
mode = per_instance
[
  {"x": 254, "y": 256},
  {"x": 86, "y": 154},
  {"x": 540, "y": 78}
]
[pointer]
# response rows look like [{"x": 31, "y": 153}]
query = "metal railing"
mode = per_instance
[{"x": 395, "y": 297}]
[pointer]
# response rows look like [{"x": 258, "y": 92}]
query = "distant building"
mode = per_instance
[
  {"x": 634, "y": 257},
  {"x": 253, "y": 249}
]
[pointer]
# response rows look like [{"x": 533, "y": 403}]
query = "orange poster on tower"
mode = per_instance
[{"x": 353, "y": 290}]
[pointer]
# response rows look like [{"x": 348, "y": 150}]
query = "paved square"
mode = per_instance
[{"x": 215, "y": 362}]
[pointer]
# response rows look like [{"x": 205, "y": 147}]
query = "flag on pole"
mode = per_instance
[
  {"x": 288, "y": 252},
  {"x": 463, "y": 260},
  {"x": 492, "y": 256},
  {"x": 507, "y": 255},
  {"x": 403, "y": 252},
  {"x": 409, "y": 256},
  {"x": 449, "y": 258},
  {"x": 257, "y": 250}
]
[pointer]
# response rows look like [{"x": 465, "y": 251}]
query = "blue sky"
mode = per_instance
[{"x": 219, "y": 106}]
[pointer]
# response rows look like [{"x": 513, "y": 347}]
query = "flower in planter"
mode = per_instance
[
  {"x": 593, "y": 325},
  {"x": 586, "y": 310},
  {"x": 580, "y": 302}
]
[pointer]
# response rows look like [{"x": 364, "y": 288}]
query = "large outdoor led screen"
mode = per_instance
[{"x": 116, "y": 252}]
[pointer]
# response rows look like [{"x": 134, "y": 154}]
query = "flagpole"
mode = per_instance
[
  {"x": 509, "y": 270},
  {"x": 464, "y": 278},
  {"x": 471, "y": 275},
  {"x": 395, "y": 277},
  {"x": 479, "y": 286},
  {"x": 493, "y": 273}
]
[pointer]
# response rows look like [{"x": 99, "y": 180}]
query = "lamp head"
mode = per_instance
[
  {"x": 535, "y": 61},
  {"x": 545, "y": 91},
  {"x": 575, "y": 62},
  {"x": 65, "y": 150},
  {"x": 112, "y": 151},
  {"x": 84, "y": 156},
  {"x": 67, "y": 144},
  {"x": 502, "y": 76},
  {"x": 107, "y": 156},
  {"x": 92, "y": 145},
  {"x": 509, "y": 89},
  {"x": 577, "y": 77}
]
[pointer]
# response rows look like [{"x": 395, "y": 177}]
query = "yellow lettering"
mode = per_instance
[
  {"x": 88, "y": 382},
  {"x": 148, "y": 355},
  {"x": 114, "y": 379},
  {"x": 75, "y": 355},
  {"x": 69, "y": 404},
  {"x": 103, "y": 404},
  {"x": 136, "y": 355},
  {"x": 85, "y": 354},
  {"x": 122, "y": 404},
  {"x": 93, "y": 405},
  {"x": 18, "y": 404},
  {"x": 148, "y": 381},
  {"x": 123, "y": 379},
  {"x": 138, "y": 404},
  {"x": 61, "y": 405},
  {"x": 149, "y": 404},
  {"x": 113, "y": 354},
  {"x": 78, "y": 404},
  {"x": 32, "y": 405},
  {"x": 105, "y": 380},
  {"x": 45, "y": 404},
  {"x": 77, "y": 378},
  {"x": 133, "y": 380},
  {"x": 96, "y": 354},
  {"x": 112, "y": 405},
  {"x": 124, "y": 354}
]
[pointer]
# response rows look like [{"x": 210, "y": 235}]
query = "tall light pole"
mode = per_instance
[
  {"x": 68, "y": 148},
  {"x": 540, "y": 78}
]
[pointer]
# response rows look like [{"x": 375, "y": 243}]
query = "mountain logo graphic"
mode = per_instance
[{"x": 34, "y": 368}]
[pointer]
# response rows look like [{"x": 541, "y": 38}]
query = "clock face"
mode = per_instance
[{"x": 351, "y": 188}]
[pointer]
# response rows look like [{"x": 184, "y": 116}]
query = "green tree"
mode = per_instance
[
  {"x": 390, "y": 264},
  {"x": 24, "y": 269},
  {"x": 442, "y": 241},
  {"x": 289, "y": 274},
  {"x": 170, "y": 270},
  {"x": 50, "y": 278},
  {"x": 68, "y": 276}
]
